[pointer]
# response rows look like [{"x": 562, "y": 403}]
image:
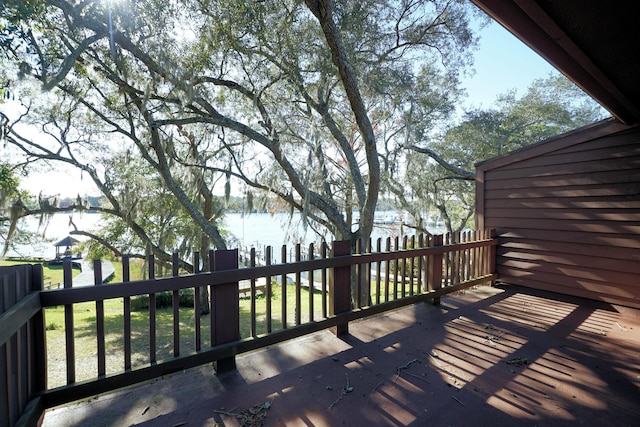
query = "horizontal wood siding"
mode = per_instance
[{"x": 568, "y": 215}]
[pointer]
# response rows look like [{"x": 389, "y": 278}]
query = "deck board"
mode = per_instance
[{"x": 462, "y": 363}]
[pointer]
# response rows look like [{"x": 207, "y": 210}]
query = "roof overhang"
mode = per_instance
[{"x": 595, "y": 43}]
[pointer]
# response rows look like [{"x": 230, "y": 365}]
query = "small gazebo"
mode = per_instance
[{"x": 66, "y": 243}]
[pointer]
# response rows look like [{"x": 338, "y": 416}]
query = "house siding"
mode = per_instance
[{"x": 567, "y": 213}]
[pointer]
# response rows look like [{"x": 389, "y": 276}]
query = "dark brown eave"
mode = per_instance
[{"x": 589, "y": 42}]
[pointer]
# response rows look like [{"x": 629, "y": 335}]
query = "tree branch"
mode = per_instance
[{"x": 460, "y": 172}]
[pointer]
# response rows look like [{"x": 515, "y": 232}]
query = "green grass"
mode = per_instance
[
  {"x": 53, "y": 274},
  {"x": 136, "y": 270},
  {"x": 86, "y": 342}
]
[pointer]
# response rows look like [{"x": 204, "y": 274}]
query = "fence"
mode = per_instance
[{"x": 250, "y": 308}]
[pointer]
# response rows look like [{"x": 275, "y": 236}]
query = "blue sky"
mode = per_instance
[{"x": 502, "y": 63}]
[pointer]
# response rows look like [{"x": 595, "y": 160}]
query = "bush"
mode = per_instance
[{"x": 163, "y": 300}]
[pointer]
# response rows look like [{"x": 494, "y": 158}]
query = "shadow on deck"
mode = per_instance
[{"x": 489, "y": 356}]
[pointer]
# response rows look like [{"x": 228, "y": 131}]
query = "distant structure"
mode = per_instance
[{"x": 67, "y": 243}]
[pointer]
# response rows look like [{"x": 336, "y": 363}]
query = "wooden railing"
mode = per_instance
[
  {"x": 250, "y": 307},
  {"x": 22, "y": 345}
]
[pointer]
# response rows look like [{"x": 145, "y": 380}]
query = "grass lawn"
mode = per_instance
[
  {"x": 53, "y": 274},
  {"x": 86, "y": 343}
]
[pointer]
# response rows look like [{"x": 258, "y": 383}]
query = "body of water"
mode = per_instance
[
  {"x": 260, "y": 230},
  {"x": 249, "y": 230},
  {"x": 56, "y": 228}
]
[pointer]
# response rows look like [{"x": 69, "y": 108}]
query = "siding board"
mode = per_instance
[
  {"x": 567, "y": 212},
  {"x": 567, "y": 167},
  {"x": 559, "y": 180},
  {"x": 617, "y": 294},
  {"x": 606, "y": 268},
  {"x": 549, "y": 225},
  {"x": 621, "y": 215},
  {"x": 621, "y": 190},
  {"x": 567, "y": 246},
  {"x": 605, "y": 241}
]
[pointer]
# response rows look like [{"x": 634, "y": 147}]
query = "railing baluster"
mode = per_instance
[
  {"x": 212, "y": 303},
  {"x": 469, "y": 257},
  {"x": 358, "y": 267},
  {"x": 197, "y": 305},
  {"x": 368, "y": 302},
  {"x": 252, "y": 263},
  {"x": 298, "y": 278},
  {"x": 69, "y": 328},
  {"x": 151, "y": 267},
  {"x": 428, "y": 266},
  {"x": 283, "y": 279},
  {"x": 311, "y": 283},
  {"x": 420, "y": 264},
  {"x": 97, "y": 279},
  {"x": 396, "y": 263},
  {"x": 175, "y": 303},
  {"x": 412, "y": 264},
  {"x": 378, "y": 269},
  {"x": 323, "y": 279},
  {"x": 268, "y": 289},
  {"x": 436, "y": 280},
  {"x": 126, "y": 308},
  {"x": 403, "y": 271},
  {"x": 458, "y": 256},
  {"x": 447, "y": 261},
  {"x": 387, "y": 271}
]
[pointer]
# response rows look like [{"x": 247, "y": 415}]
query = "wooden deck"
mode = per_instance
[{"x": 489, "y": 356}]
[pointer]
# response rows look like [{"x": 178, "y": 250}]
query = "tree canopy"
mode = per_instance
[
  {"x": 171, "y": 107},
  {"x": 549, "y": 107},
  {"x": 298, "y": 100}
]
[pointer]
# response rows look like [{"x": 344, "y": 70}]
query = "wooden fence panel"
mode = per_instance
[{"x": 22, "y": 365}]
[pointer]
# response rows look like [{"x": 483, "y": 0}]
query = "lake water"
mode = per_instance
[{"x": 255, "y": 230}]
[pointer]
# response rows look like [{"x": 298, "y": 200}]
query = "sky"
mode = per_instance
[{"x": 502, "y": 63}]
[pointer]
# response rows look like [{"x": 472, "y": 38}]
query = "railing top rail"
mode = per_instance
[{"x": 118, "y": 290}]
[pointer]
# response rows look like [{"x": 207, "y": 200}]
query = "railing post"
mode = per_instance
[
  {"x": 100, "y": 326},
  {"x": 226, "y": 307},
  {"x": 340, "y": 286},
  {"x": 69, "y": 327},
  {"x": 40, "y": 339},
  {"x": 492, "y": 254},
  {"x": 435, "y": 281}
]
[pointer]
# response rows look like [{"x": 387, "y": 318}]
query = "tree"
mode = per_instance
[
  {"x": 289, "y": 91},
  {"x": 549, "y": 107}
]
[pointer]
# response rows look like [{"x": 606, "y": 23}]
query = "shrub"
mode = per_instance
[{"x": 163, "y": 300}]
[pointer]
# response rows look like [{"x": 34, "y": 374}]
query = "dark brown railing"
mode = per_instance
[{"x": 250, "y": 308}]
